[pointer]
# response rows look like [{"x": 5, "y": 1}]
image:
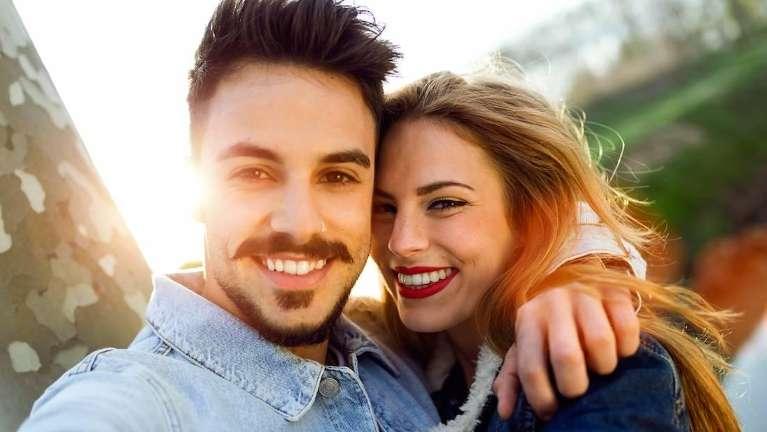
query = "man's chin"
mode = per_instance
[
  {"x": 280, "y": 315},
  {"x": 284, "y": 322},
  {"x": 299, "y": 333}
]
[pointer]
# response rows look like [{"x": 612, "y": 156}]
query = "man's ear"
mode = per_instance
[
  {"x": 196, "y": 181},
  {"x": 198, "y": 213}
]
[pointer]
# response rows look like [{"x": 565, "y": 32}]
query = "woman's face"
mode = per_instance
[{"x": 441, "y": 233}]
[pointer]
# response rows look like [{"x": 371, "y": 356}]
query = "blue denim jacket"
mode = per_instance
[
  {"x": 643, "y": 394},
  {"x": 195, "y": 367}
]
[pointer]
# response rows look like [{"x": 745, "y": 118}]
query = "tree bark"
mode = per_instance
[{"x": 71, "y": 277}]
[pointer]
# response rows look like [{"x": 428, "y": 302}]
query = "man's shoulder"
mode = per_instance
[
  {"x": 109, "y": 387},
  {"x": 144, "y": 357},
  {"x": 107, "y": 390}
]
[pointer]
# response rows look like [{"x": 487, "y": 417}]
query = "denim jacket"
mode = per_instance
[
  {"x": 195, "y": 367},
  {"x": 643, "y": 394}
]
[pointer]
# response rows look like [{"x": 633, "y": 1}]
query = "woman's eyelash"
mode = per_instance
[{"x": 446, "y": 203}]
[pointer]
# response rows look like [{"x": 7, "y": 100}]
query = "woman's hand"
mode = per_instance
[{"x": 572, "y": 329}]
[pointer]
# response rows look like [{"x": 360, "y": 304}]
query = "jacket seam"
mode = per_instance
[
  {"x": 89, "y": 362},
  {"x": 159, "y": 393}
]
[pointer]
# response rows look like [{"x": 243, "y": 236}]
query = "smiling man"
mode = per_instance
[
  {"x": 285, "y": 100},
  {"x": 285, "y": 104},
  {"x": 286, "y": 153}
]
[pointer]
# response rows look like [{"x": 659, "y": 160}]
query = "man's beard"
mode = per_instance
[
  {"x": 288, "y": 337},
  {"x": 237, "y": 291}
]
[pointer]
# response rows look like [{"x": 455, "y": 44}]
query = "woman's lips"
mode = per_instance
[{"x": 426, "y": 290}]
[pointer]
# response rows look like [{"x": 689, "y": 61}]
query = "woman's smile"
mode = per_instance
[{"x": 422, "y": 282}]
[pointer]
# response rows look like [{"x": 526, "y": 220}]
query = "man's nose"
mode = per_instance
[
  {"x": 408, "y": 236},
  {"x": 297, "y": 215}
]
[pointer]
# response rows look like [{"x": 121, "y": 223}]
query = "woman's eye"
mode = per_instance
[
  {"x": 446, "y": 204},
  {"x": 337, "y": 177}
]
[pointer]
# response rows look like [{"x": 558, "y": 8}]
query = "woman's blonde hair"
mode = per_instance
[{"x": 543, "y": 157}]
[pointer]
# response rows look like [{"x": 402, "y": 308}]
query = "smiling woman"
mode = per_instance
[{"x": 482, "y": 178}]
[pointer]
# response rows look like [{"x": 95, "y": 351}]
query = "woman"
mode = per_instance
[{"x": 479, "y": 184}]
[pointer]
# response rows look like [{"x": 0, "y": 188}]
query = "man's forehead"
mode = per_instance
[{"x": 288, "y": 109}]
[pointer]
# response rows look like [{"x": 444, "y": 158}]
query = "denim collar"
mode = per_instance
[{"x": 218, "y": 341}]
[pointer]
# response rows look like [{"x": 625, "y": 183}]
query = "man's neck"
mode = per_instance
[
  {"x": 196, "y": 282},
  {"x": 317, "y": 352}
]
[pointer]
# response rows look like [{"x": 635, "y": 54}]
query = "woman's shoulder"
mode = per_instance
[{"x": 643, "y": 393}]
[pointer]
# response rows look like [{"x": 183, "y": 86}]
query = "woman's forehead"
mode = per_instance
[{"x": 422, "y": 151}]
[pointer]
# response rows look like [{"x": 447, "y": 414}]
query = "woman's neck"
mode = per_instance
[{"x": 466, "y": 341}]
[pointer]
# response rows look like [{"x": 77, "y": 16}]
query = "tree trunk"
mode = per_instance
[{"x": 71, "y": 277}]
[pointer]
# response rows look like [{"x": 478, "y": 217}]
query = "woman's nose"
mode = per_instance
[{"x": 408, "y": 237}]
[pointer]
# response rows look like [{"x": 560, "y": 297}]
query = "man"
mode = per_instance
[{"x": 285, "y": 101}]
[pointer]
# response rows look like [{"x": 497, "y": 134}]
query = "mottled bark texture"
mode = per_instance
[{"x": 71, "y": 277}]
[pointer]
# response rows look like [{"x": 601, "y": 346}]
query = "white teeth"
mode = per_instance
[
  {"x": 421, "y": 279},
  {"x": 434, "y": 276},
  {"x": 290, "y": 267},
  {"x": 302, "y": 267},
  {"x": 294, "y": 267}
]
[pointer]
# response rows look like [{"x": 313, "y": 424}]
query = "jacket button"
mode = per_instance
[{"x": 329, "y": 387}]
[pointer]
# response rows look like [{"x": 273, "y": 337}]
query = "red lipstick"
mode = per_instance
[{"x": 426, "y": 290}]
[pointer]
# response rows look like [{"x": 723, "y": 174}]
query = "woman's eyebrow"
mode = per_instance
[{"x": 429, "y": 188}]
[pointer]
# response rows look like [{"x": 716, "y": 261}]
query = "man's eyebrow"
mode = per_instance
[
  {"x": 429, "y": 188},
  {"x": 348, "y": 156},
  {"x": 248, "y": 149}
]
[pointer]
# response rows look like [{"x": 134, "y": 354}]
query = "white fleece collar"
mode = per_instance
[{"x": 488, "y": 363}]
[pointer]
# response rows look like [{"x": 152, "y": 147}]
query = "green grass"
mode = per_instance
[{"x": 724, "y": 95}]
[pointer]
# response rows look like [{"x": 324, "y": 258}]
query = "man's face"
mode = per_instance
[{"x": 287, "y": 166}]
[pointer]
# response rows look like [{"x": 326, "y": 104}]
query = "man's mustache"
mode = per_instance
[{"x": 316, "y": 247}]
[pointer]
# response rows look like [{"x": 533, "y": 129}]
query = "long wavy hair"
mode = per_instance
[{"x": 542, "y": 154}]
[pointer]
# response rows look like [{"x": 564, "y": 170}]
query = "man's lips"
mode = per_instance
[{"x": 286, "y": 278}]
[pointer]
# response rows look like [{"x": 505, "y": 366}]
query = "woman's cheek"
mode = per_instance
[{"x": 461, "y": 234}]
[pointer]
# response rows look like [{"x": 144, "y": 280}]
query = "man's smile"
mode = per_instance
[{"x": 296, "y": 273}]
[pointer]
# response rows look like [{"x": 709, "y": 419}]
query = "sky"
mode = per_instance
[{"x": 121, "y": 70}]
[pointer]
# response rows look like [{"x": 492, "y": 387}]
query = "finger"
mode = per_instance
[
  {"x": 625, "y": 324},
  {"x": 506, "y": 385},
  {"x": 567, "y": 357},
  {"x": 531, "y": 364},
  {"x": 596, "y": 334}
]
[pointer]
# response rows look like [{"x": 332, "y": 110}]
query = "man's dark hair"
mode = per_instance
[{"x": 321, "y": 34}]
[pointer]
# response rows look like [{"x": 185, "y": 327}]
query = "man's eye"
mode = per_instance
[
  {"x": 337, "y": 177},
  {"x": 446, "y": 204},
  {"x": 251, "y": 174}
]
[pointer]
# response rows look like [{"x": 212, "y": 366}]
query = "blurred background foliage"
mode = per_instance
[{"x": 675, "y": 97}]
